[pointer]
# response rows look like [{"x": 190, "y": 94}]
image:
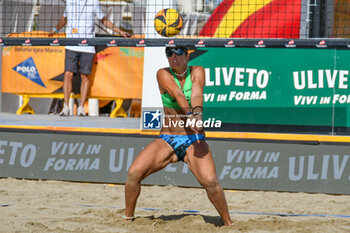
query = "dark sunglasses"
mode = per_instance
[{"x": 178, "y": 52}]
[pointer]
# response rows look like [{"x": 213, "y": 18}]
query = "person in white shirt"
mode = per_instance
[{"x": 79, "y": 19}]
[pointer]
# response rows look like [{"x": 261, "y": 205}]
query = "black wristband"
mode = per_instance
[{"x": 198, "y": 106}]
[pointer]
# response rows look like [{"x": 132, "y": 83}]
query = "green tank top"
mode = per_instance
[{"x": 168, "y": 101}]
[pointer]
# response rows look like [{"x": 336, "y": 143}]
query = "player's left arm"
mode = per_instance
[{"x": 198, "y": 81}]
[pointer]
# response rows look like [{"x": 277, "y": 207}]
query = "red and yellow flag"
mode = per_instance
[{"x": 254, "y": 19}]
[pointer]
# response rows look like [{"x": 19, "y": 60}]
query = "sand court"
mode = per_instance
[{"x": 60, "y": 206}]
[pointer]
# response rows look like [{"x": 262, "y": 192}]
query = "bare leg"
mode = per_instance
[
  {"x": 132, "y": 192},
  {"x": 84, "y": 88},
  {"x": 201, "y": 163},
  {"x": 153, "y": 158},
  {"x": 67, "y": 86}
]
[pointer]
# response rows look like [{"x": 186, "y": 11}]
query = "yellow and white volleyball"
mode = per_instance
[{"x": 168, "y": 22}]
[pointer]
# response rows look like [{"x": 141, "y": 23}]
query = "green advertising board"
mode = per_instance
[{"x": 306, "y": 89}]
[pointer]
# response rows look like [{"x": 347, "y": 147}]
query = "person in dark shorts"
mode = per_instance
[{"x": 79, "y": 19}]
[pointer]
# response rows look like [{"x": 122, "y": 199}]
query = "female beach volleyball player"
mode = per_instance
[{"x": 181, "y": 89}]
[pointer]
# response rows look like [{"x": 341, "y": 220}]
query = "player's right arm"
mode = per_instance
[{"x": 111, "y": 26}]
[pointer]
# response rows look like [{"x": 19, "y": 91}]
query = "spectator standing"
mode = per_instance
[{"x": 79, "y": 19}]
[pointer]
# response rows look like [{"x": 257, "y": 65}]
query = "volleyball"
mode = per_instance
[{"x": 168, "y": 22}]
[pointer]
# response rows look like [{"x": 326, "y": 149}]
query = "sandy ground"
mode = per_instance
[{"x": 57, "y": 206}]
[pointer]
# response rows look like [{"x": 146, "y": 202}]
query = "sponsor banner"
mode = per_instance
[
  {"x": 279, "y": 84},
  {"x": 239, "y": 165},
  {"x": 302, "y": 87},
  {"x": 117, "y": 71},
  {"x": 27, "y": 69}
]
